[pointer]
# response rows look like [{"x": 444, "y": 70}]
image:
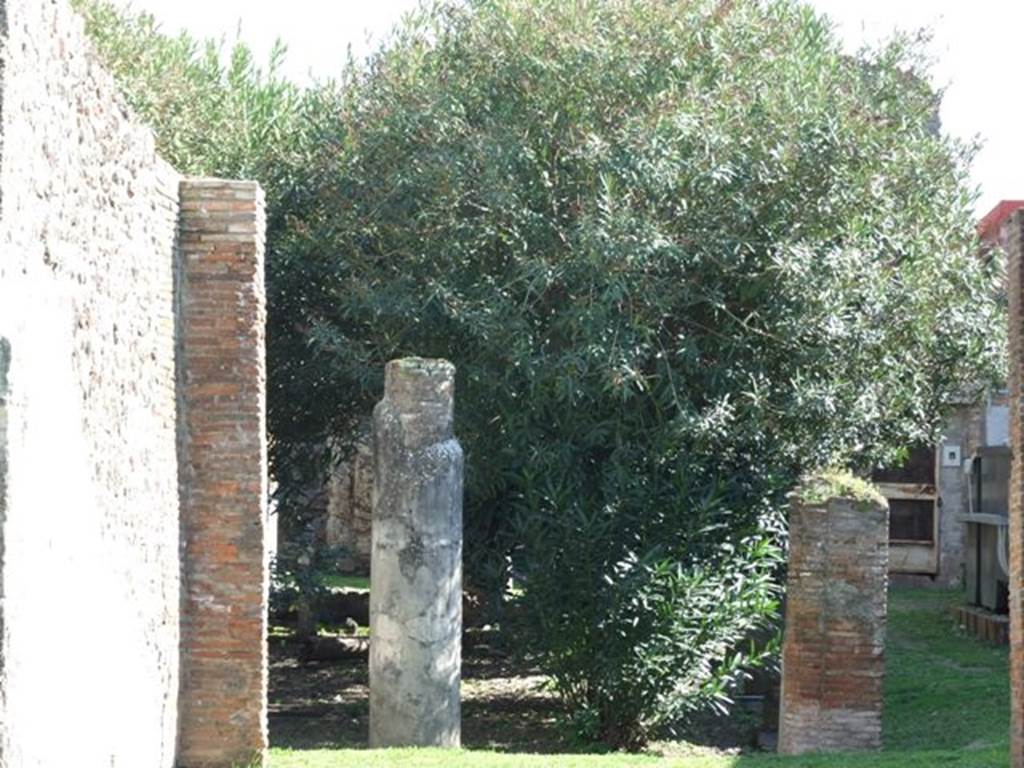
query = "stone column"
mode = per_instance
[
  {"x": 416, "y": 563},
  {"x": 223, "y": 476},
  {"x": 833, "y": 649},
  {"x": 1015, "y": 289}
]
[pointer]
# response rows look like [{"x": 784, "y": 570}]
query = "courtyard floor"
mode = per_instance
[{"x": 947, "y": 704}]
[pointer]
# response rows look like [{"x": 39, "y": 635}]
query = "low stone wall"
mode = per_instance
[{"x": 833, "y": 650}]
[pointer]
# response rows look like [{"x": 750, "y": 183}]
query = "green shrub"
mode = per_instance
[
  {"x": 826, "y": 484},
  {"x": 214, "y": 110},
  {"x": 638, "y": 644},
  {"x": 679, "y": 253}
]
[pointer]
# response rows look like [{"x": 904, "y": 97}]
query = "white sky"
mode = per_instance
[{"x": 978, "y": 46}]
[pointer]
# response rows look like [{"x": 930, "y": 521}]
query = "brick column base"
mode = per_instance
[{"x": 833, "y": 650}]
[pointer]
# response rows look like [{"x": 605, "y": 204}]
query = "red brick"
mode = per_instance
[
  {"x": 223, "y": 709},
  {"x": 833, "y": 651}
]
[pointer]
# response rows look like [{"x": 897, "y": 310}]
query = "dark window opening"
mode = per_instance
[{"x": 912, "y": 520}]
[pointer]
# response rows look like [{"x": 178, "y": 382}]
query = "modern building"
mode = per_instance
[{"x": 948, "y": 503}]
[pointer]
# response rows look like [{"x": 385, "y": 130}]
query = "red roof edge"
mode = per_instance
[{"x": 988, "y": 227}]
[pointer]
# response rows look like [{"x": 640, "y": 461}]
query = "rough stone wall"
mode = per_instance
[
  {"x": 1015, "y": 394},
  {"x": 128, "y": 365},
  {"x": 833, "y": 649},
  {"x": 349, "y": 519},
  {"x": 5, "y": 360},
  {"x": 88, "y": 216},
  {"x": 224, "y": 476}
]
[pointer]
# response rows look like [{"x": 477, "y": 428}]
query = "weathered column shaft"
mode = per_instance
[
  {"x": 223, "y": 476},
  {"x": 1015, "y": 288},
  {"x": 833, "y": 650},
  {"x": 416, "y": 563}
]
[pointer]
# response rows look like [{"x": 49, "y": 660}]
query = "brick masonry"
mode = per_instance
[
  {"x": 90, "y": 524},
  {"x": 1015, "y": 287},
  {"x": 833, "y": 649},
  {"x": 224, "y": 476}
]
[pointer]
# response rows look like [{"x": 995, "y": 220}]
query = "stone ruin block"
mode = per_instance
[
  {"x": 133, "y": 469},
  {"x": 349, "y": 518}
]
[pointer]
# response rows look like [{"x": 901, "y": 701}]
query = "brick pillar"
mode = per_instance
[
  {"x": 833, "y": 650},
  {"x": 222, "y": 373},
  {"x": 1015, "y": 288}
]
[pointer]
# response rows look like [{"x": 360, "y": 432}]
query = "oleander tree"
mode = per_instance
[{"x": 680, "y": 253}]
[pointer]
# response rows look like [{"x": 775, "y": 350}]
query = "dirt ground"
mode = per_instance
[
  {"x": 505, "y": 707},
  {"x": 317, "y": 704}
]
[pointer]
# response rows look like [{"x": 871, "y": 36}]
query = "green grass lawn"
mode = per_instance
[
  {"x": 338, "y": 581},
  {"x": 947, "y": 705}
]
